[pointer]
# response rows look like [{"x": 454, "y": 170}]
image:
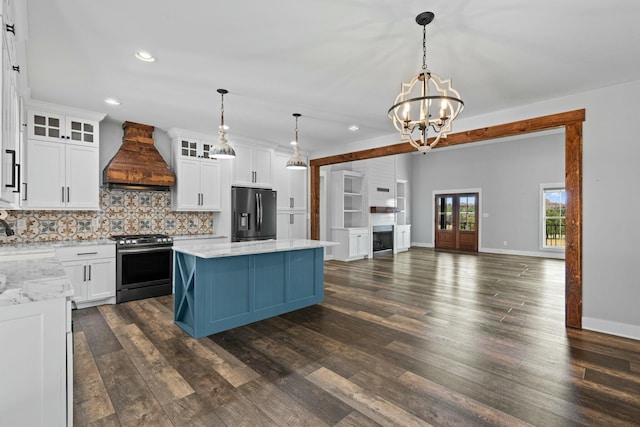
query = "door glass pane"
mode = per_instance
[
  {"x": 76, "y": 126},
  {"x": 467, "y": 213},
  {"x": 40, "y": 131},
  {"x": 88, "y": 127},
  {"x": 53, "y": 122},
  {"x": 54, "y": 133},
  {"x": 39, "y": 120},
  {"x": 445, "y": 213},
  {"x": 76, "y": 136},
  {"x": 88, "y": 137}
]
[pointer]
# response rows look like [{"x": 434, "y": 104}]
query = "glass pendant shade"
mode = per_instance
[{"x": 222, "y": 149}]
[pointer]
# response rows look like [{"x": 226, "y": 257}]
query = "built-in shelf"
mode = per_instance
[
  {"x": 401, "y": 202},
  {"x": 349, "y": 207}
]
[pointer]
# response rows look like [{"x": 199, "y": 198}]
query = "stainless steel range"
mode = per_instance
[{"x": 144, "y": 266}]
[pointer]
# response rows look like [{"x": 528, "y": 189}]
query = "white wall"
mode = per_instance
[
  {"x": 508, "y": 175},
  {"x": 611, "y": 293}
]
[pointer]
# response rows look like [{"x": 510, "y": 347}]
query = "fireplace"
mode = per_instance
[{"x": 382, "y": 239}]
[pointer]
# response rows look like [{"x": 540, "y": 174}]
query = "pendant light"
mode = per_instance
[
  {"x": 296, "y": 162},
  {"x": 426, "y": 102},
  {"x": 222, "y": 150}
]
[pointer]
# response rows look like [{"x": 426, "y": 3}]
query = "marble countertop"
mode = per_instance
[
  {"x": 35, "y": 277},
  {"x": 47, "y": 247},
  {"x": 198, "y": 236},
  {"x": 220, "y": 250}
]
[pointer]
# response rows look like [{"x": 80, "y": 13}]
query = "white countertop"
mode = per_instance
[
  {"x": 220, "y": 250},
  {"x": 45, "y": 247},
  {"x": 35, "y": 277}
]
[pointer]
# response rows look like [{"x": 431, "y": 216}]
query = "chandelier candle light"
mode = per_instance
[
  {"x": 222, "y": 150},
  {"x": 296, "y": 162},
  {"x": 435, "y": 103}
]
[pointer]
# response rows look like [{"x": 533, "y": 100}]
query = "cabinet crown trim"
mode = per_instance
[{"x": 34, "y": 104}]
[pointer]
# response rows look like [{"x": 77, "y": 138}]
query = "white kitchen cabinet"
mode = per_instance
[
  {"x": 61, "y": 176},
  {"x": 34, "y": 363},
  {"x": 62, "y": 158},
  {"x": 292, "y": 225},
  {"x": 198, "y": 184},
  {"x": 10, "y": 106},
  {"x": 92, "y": 271},
  {"x": 291, "y": 185},
  {"x": 402, "y": 241},
  {"x": 56, "y": 127},
  {"x": 252, "y": 166},
  {"x": 354, "y": 243}
]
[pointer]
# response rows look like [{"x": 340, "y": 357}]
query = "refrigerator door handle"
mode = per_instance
[
  {"x": 260, "y": 194},
  {"x": 257, "y": 211}
]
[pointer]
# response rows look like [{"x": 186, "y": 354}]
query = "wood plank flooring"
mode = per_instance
[{"x": 420, "y": 338}]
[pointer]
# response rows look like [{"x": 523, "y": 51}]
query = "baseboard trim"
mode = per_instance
[
  {"x": 538, "y": 254},
  {"x": 614, "y": 328}
]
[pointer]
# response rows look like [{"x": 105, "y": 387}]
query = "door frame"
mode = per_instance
[
  {"x": 479, "y": 218},
  {"x": 571, "y": 121}
]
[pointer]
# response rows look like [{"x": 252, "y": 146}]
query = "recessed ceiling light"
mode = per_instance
[
  {"x": 112, "y": 101},
  {"x": 145, "y": 56},
  {"x": 293, "y": 143},
  {"x": 354, "y": 128},
  {"x": 225, "y": 127}
]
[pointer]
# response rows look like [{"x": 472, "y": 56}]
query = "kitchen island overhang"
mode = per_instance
[{"x": 220, "y": 286}]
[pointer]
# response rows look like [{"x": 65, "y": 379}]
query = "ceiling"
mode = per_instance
[{"x": 337, "y": 62}]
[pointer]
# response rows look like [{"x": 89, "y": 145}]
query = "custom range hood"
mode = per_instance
[{"x": 138, "y": 165}]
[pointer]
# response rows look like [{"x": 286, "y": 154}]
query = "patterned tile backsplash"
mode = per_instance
[{"x": 121, "y": 212}]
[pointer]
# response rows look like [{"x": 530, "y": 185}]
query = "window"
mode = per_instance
[{"x": 554, "y": 210}]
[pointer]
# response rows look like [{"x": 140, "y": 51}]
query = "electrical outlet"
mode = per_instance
[
  {"x": 95, "y": 223},
  {"x": 21, "y": 224}
]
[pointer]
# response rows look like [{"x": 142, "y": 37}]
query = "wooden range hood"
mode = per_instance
[{"x": 138, "y": 165}]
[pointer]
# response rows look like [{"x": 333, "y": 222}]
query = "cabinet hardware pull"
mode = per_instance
[
  {"x": 290, "y": 218},
  {"x": 17, "y": 168},
  {"x": 13, "y": 166},
  {"x": 16, "y": 68},
  {"x": 87, "y": 253},
  {"x": 84, "y": 273},
  {"x": 290, "y": 202},
  {"x": 11, "y": 29},
  {"x": 62, "y": 188},
  {"x": 89, "y": 273},
  {"x": 67, "y": 194},
  {"x": 25, "y": 192}
]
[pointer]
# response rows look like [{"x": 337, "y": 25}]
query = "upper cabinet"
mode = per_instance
[
  {"x": 198, "y": 181},
  {"x": 252, "y": 166},
  {"x": 62, "y": 165},
  {"x": 54, "y": 127},
  {"x": 291, "y": 185}
]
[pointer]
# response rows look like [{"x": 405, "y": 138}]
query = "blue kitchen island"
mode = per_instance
[{"x": 219, "y": 286}]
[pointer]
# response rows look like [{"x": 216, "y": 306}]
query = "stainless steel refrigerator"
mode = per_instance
[{"x": 254, "y": 213}]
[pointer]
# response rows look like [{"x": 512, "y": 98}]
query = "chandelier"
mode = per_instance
[
  {"x": 426, "y": 102},
  {"x": 296, "y": 162},
  {"x": 222, "y": 150}
]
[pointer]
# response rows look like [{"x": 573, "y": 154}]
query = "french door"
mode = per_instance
[{"x": 456, "y": 225}]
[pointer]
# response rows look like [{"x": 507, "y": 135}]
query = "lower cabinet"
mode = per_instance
[
  {"x": 92, "y": 271},
  {"x": 402, "y": 238},
  {"x": 354, "y": 243},
  {"x": 33, "y": 364},
  {"x": 292, "y": 225}
]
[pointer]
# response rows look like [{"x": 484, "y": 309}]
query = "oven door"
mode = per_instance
[{"x": 143, "y": 267}]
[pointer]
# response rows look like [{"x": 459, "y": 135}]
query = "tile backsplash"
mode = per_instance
[{"x": 121, "y": 212}]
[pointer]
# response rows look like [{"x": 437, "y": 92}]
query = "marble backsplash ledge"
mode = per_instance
[{"x": 121, "y": 212}]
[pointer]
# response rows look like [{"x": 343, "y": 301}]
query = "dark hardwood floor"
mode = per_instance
[{"x": 419, "y": 338}]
